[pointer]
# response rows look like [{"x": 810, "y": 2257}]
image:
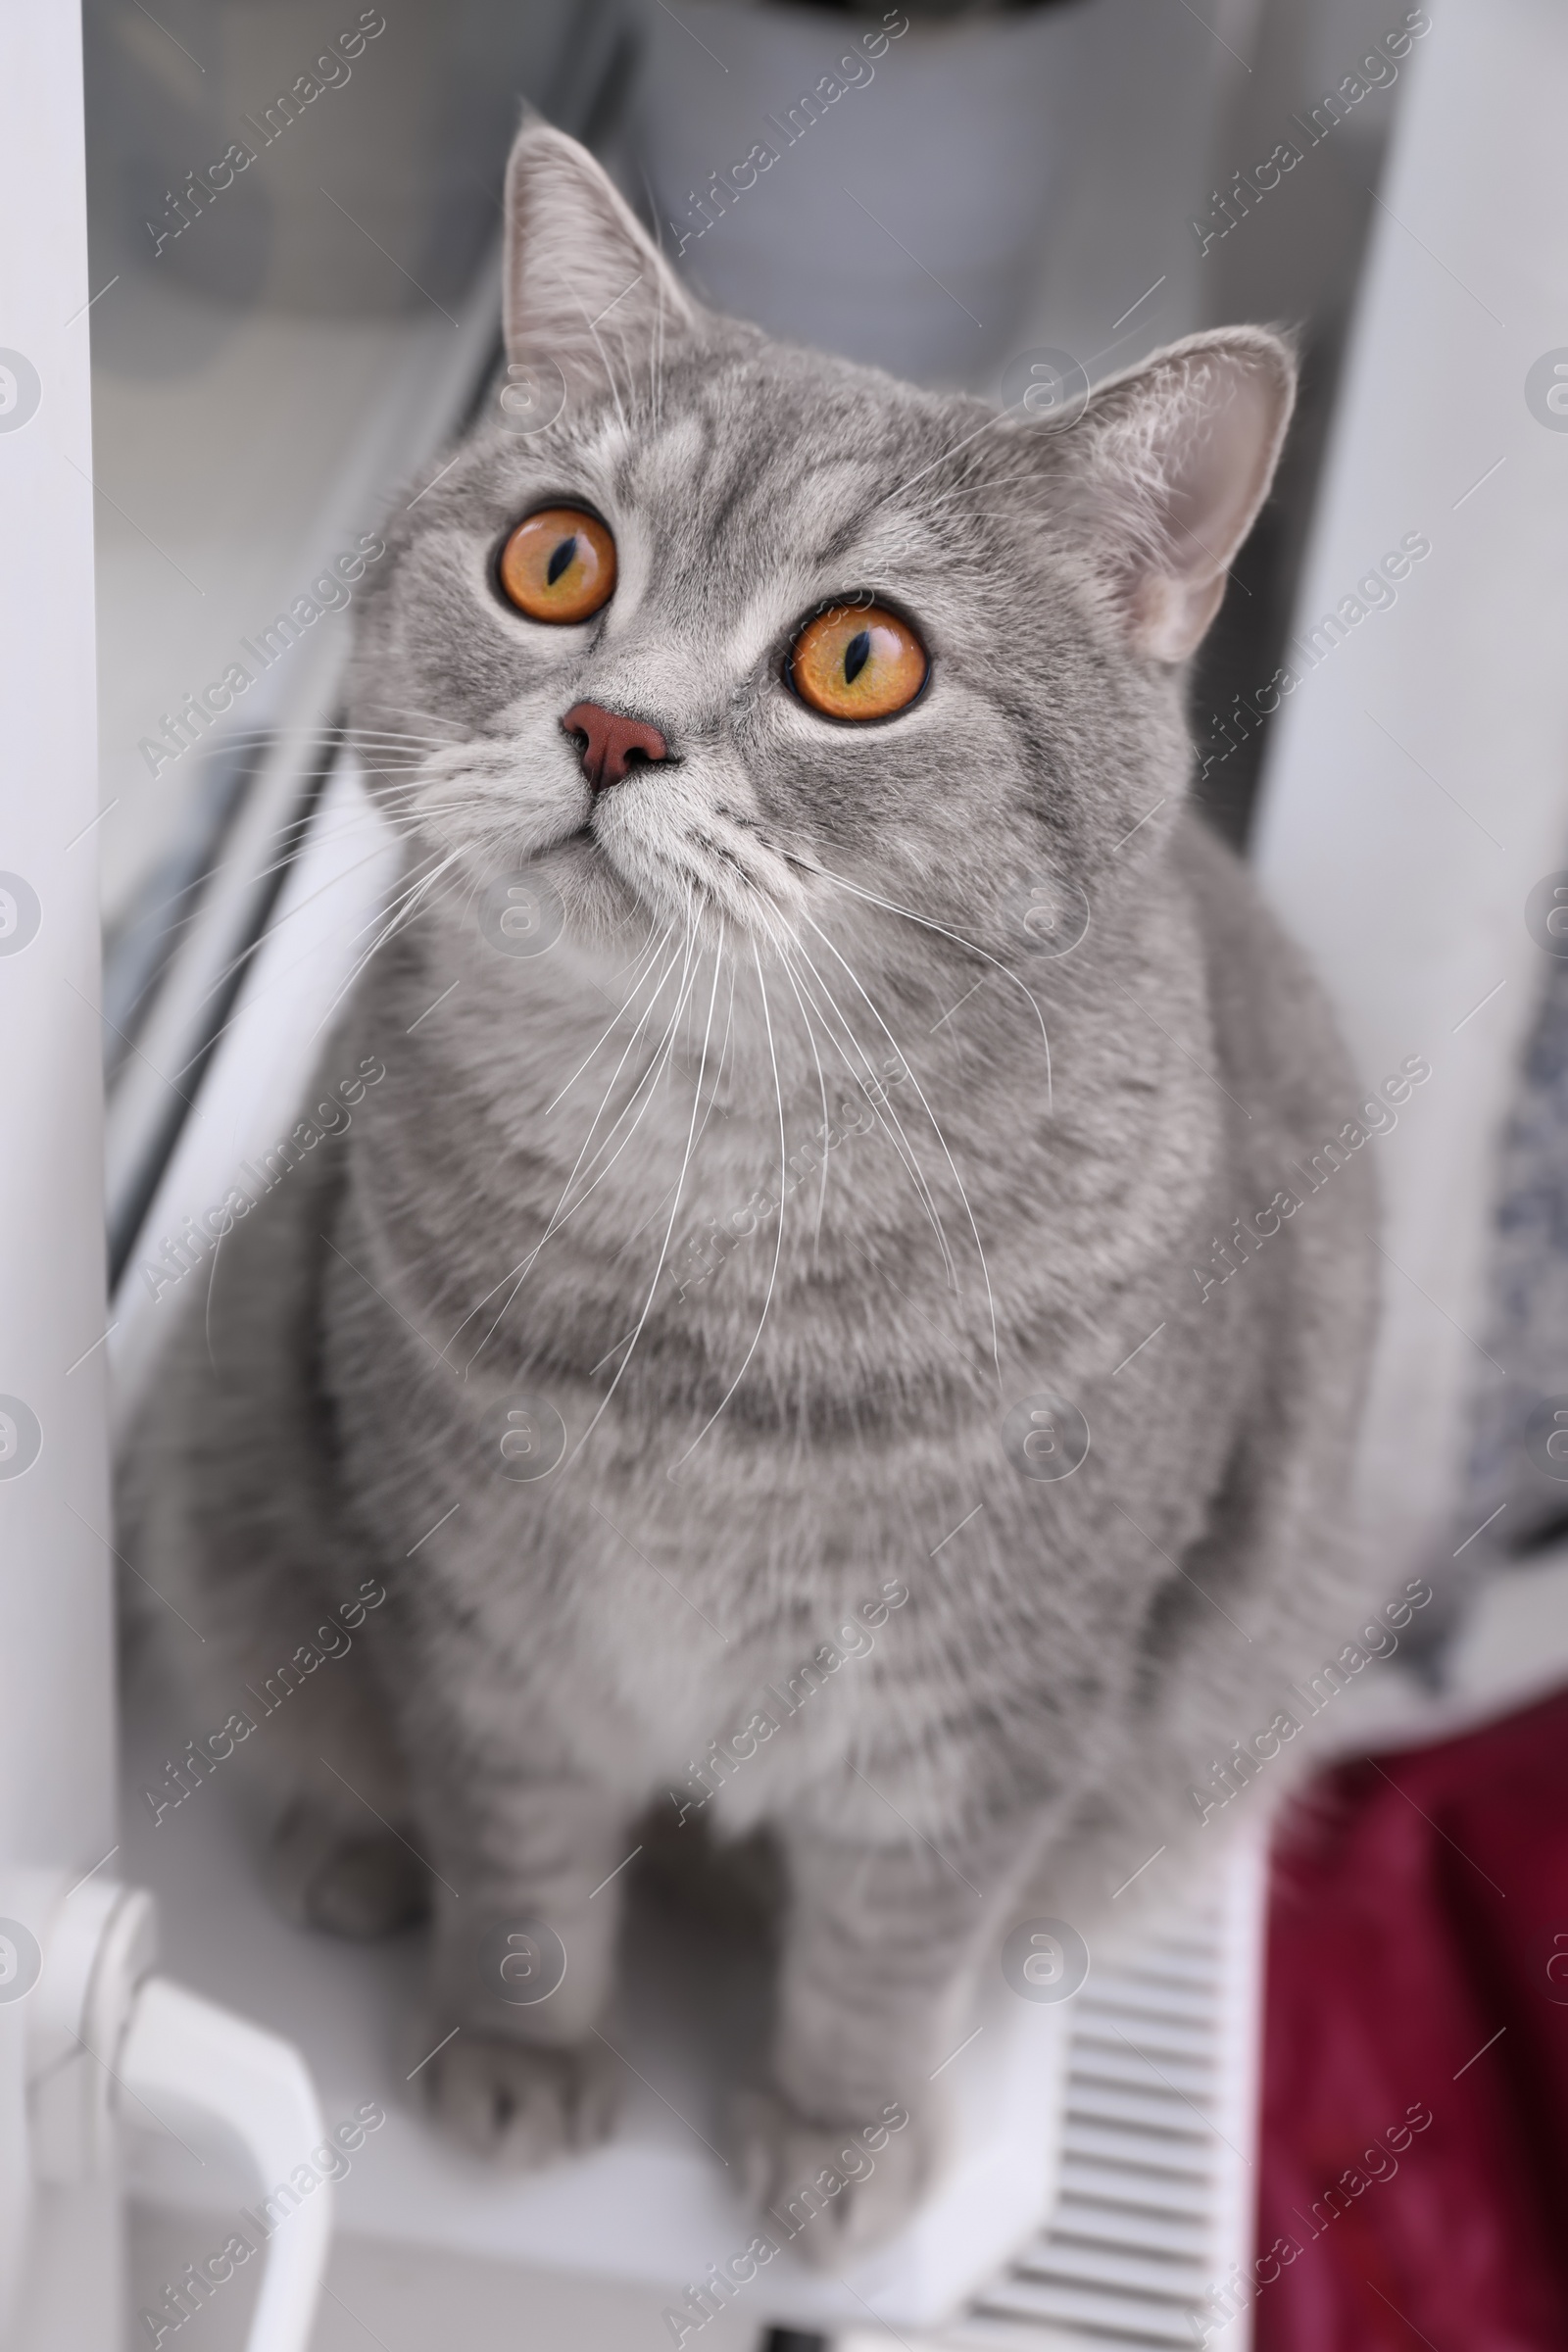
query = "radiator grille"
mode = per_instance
[{"x": 1157, "y": 2180}]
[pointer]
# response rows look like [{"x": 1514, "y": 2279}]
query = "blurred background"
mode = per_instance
[{"x": 293, "y": 213}]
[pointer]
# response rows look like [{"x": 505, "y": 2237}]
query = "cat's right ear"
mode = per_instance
[
  {"x": 582, "y": 283},
  {"x": 1168, "y": 467}
]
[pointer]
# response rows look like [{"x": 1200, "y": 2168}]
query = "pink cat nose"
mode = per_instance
[{"x": 610, "y": 745}]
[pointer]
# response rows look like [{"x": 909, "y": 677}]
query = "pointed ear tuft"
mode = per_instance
[
  {"x": 582, "y": 282},
  {"x": 1175, "y": 459}
]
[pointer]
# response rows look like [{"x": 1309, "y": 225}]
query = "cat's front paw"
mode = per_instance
[
  {"x": 522, "y": 2106},
  {"x": 835, "y": 2190},
  {"x": 343, "y": 1878}
]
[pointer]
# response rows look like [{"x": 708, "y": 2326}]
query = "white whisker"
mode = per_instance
[
  {"x": 237, "y": 962},
  {"x": 409, "y": 710},
  {"x": 606, "y": 1032},
  {"x": 712, "y": 1104},
  {"x": 896, "y": 1132},
  {"x": 822, "y": 1194},
  {"x": 411, "y": 881},
  {"x": 779, "y": 1245},
  {"x": 957, "y": 937},
  {"x": 974, "y": 1229},
  {"x": 560, "y": 1214},
  {"x": 675, "y": 1211},
  {"x": 398, "y": 922}
]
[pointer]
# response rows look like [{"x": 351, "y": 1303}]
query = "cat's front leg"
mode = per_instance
[
  {"x": 875, "y": 1975},
  {"x": 527, "y": 1907}
]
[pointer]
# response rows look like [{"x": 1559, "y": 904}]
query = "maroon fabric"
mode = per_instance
[{"x": 1419, "y": 1908}]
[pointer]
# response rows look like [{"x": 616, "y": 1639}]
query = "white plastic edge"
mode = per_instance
[{"x": 181, "y": 2052}]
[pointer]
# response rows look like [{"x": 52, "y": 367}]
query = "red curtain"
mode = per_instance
[{"x": 1413, "y": 2175}]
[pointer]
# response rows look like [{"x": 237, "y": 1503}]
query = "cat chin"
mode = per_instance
[
  {"x": 605, "y": 906},
  {"x": 722, "y": 891}
]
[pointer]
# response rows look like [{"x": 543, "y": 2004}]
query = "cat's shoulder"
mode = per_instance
[{"x": 1271, "y": 1014}]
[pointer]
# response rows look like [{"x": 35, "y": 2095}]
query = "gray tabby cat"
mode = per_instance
[{"x": 796, "y": 1213}]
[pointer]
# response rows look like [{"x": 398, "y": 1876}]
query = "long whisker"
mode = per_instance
[
  {"x": 683, "y": 956},
  {"x": 650, "y": 948},
  {"x": 599, "y": 1040},
  {"x": 604, "y": 361},
  {"x": 560, "y": 1214},
  {"x": 909, "y": 916},
  {"x": 723, "y": 1056},
  {"x": 967, "y": 490},
  {"x": 409, "y": 735},
  {"x": 778, "y": 1245},
  {"x": 289, "y": 834},
  {"x": 410, "y": 711},
  {"x": 386, "y": 758},
  {"x": 822, "y": 1194},
  {"x": 713, "y": 1106},
  {"x": 995, "y": 1351},
  {"x": 274, "y": 928},
  {"x": 412, "y": 881},
  {"x": 896, "y": 1132},
  {"x": 400, "y": 922},
  {"x": 224, "y": 1027},
  {"x": 172, "y": 925},
  {"x": 646, "y": 1086},
  {"x": 904, "y": 1150},
  {"x": 675, "y": 1211},
  {"x": 520, "y": 1270}
]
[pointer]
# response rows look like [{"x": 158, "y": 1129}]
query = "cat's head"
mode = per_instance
[{"x": 741, "y": 627}]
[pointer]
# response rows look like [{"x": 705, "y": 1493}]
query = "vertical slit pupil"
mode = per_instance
[
  {"x": 560, "y": 560},
  {"x": 856, "y": 654}
]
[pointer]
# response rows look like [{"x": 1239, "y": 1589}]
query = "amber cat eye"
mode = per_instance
[
  {"x": 858, "y": 661},
  {"x": 558, "y": 565}
]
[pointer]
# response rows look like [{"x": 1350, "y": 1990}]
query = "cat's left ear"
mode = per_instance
[
  {"x": 1173, "y": 461},
  {"x": 582, "y": 278}
]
